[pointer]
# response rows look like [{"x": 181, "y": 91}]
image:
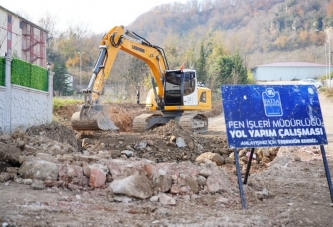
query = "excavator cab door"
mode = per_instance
[
  {"x": 173, "y": 88},
  {"x": 180, "y": 88}
]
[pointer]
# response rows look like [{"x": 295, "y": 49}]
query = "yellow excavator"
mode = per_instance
[{"x": 173, "y": 92}]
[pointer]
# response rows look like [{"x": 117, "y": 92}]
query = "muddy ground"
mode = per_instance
[{"x": 287, "y": 186}]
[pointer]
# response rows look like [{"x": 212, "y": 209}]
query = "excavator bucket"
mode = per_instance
[{"x": 92, "y": 118}]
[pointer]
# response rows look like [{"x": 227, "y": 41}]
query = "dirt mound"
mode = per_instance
[{"x": 57, "y": 132}]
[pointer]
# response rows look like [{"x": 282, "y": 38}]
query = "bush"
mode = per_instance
[{"x": 2, "y": 72}]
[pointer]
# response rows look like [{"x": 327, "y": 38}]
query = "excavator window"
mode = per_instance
[
  {"x": 178, "y": 84},
  {"x": 189, "y": 83},
  {"x": 172, "y": 86}
]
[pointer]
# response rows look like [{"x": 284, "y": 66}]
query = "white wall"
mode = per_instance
[
  {"x": 288, "y": 73},
  {"x": 22, "y": 107}
]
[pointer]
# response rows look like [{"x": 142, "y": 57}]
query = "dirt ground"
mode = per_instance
[{"x": 290, "y": 189}]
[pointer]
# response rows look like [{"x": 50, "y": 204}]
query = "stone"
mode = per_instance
[
  {"x": 161, "y": 180},
  {"x": 218, "y": 182},
  {"x": 173, "y": 139},
  {"x": 127, "y": 153},
  {"x": 191, "y": 145},
  {"x": 205, "y": 172},
  {"x": 10, "y": 153},
  {"x": 4, "y": 176},
  {"x": 193, "y": 185},
  {"x": 72, "y": 174},
  {"x": 97, "y": 178},
  {"x": 266, "y": 152},
  {"x": 171, "y": 144},
  {"x": 39, "y": 170},
  {"x": 150, "y": 142},
  {"x": 218, "y": 159},
  {"x": 201, "y": 180},
  {"x": 38, "y": 185},
  {"x": 154, "y": 199},
  {"x": 141, "y": 145},
  {"x": 174, "y": 189},
  {"x": 166, "y": 200},
  {"x": 180, "y": 142},
  {"x": 137, "y": 186}
]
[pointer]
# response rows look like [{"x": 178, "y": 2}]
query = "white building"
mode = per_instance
[
  {"x": 289, "y": 71},
  {"x": 22, "y": 38}
]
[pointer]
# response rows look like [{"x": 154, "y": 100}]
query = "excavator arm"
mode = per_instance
[{"x": 92, "y": 115}]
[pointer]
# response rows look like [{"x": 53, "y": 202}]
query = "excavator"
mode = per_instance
[{"x": 175, "y": 94}]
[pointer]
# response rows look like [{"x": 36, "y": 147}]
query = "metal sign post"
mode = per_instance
[{"x": 272, "y": 116}]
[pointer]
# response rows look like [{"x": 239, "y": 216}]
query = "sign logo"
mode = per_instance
[
  {"x": 276, "y": 115},
  {"x": 272, "y": 102}
]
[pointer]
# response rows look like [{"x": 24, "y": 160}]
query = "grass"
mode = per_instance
[{"x": 58, "y": 103}]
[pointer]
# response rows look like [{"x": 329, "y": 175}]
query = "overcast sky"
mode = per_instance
[{"x": 98, "y": 15}]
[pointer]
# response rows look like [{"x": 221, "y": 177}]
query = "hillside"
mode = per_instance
[{"x": 262, "y": 30}]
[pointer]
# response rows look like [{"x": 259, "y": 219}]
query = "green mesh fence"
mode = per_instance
[
  {"x": 2, "y": 71},
  {"x": 28, "y": 75}
]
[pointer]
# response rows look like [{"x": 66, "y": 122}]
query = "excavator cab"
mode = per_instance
[{"x": 180, "y": 88}]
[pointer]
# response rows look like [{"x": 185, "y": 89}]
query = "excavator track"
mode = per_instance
[
  {"x": 140, "y": 123},
  {"x": 194, "y": 122}
]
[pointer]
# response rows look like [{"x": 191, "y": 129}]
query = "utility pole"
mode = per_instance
[{"x": 80, "y": 53}]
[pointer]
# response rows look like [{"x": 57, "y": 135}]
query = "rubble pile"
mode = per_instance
[{"x": 164, "y": 162}]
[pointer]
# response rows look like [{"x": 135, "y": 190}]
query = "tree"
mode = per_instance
[
  {"x": 61, "y": 79},
  {"x": 201, "y": 65},
  {"x": 230, "y": 70}
]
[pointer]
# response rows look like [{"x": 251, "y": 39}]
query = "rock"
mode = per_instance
[
  {"x": 297, "y": 158},
  {"x": 39, "y": 170},
  {"x": 115, "y": 154},
  {"x": 171, "y": 144},
  {"x": 137, "y": 186},
  {"x": 161, "y": 180},
  {"x": 141, "y": 145},
  {"x": 27, "y": 181},
  {"x": 266, "y": 152},
  {"x": 127, "y": 153},
  {"x": 153, "y": 199},
  {"x": 201, "y": 180},
  {"x": 180, "y": 142},
  {"x": 173, "y": 139},
  {"x": 53, "y": 183},
  {"x": 191, "y": 145},
  {"x": 218, "y": 182},
  {"x": 4, "y": 176},
  {"x": 150, "y": 142},
  {"x": 122, "y": 199},
  {"x": 174, "y": 189},
  {"x": 193, "y": 185},
  {"x": 218, "y": 159},
  {"x": 72, "y": 174},
  {"x": 10, "y": 153},
  {"x": 166, "y": 200},
  {"x": 97, "y": 177},
  {"x": 38, "y": 185},
  {"x": 205, "y": 172}
]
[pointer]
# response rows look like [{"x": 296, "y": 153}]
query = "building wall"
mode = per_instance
[
  {"x": 22, "y": 38},
  {"x": 270, "y": 73}
]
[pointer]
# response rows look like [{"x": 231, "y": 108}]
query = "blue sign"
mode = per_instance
[{"x": 272, "y": 115}]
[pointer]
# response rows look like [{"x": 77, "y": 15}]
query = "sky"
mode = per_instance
[{"x": 99, "y": 16}]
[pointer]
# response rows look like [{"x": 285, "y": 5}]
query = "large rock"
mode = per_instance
[
  {"x": 218, "y": 182},
  {"x": 72, "y": 174},
  {"x": 137, "y": 186},
  {"x": 97, "y": 177},
  {"x": 218, "y": 159},
  {"x": 10, "y": 152},
  {"x": 39, "y": 170},
  {"x": 161, "y": 178}
]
